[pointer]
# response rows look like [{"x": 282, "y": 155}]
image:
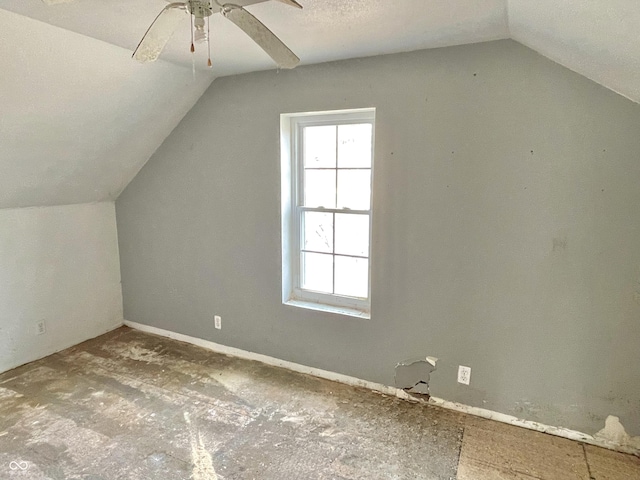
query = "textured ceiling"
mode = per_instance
[
  {"x": 324, "y": 30},
  {"x": 599, "y": 39},
  {"x": 80, "y": 117}
]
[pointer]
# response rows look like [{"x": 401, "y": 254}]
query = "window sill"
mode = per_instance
[{"x": 321, "y": 307}]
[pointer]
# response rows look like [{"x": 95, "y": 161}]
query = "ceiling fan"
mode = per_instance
[{"x": 199, "y": 11}]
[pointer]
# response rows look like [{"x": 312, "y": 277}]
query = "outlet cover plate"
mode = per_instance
[{"x": 464, "y": 375}]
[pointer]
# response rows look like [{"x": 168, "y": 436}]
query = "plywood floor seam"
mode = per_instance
[{"x": 130, "y": 405}]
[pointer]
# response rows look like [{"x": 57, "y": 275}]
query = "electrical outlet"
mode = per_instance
[
  {"x": 41, "y": 328},
  {"x": 217, "y": 320},
  {"x": 464, "y": 375}
]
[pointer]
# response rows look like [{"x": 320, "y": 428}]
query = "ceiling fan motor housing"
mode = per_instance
[{"x": 200, "y": 8}]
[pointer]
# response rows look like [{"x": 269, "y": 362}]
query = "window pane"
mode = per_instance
[
  {"x": 352, "y": 234},
  {"x": 317, "y": 272},
  {"x": 352, "y": 277},
  {"x": 354, "y": 145},
  {"x": 318, "y": 232},
  {"x": 320, "y": 147},
  {"x": 320, "y": 188},
  {"x": 354, "y": 189}
]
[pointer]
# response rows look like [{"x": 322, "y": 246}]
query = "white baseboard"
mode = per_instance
[{"x": 385, "y": 389}]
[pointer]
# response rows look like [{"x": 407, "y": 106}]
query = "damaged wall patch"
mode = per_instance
[
  {"x": 413, "y": 375},
  {"x": 614, "y": 433}
]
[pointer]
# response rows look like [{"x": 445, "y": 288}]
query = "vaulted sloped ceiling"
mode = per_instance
[{"x": 79, "y": 117}]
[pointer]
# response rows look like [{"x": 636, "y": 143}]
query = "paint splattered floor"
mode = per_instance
[{"x": 131, "y": 406}]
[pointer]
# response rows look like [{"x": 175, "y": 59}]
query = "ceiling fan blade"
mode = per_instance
[
  {"x": 260, "y": 34},
  {"x": 293, "y": 3},
  {"x": 160, "y": 32}
]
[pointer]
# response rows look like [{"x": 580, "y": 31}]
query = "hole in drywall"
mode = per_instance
[{"x": 413, "y": 375}]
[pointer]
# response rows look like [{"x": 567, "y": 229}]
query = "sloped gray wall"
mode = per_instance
[{"x": 506, "y": 229}]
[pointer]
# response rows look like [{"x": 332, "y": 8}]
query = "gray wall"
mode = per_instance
[{"x": 506, "y": 230}]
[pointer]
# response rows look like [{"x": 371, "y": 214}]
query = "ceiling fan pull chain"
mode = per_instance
[
  {"x": 209, "y": 41},
  {"x": 193, "y": 48}
]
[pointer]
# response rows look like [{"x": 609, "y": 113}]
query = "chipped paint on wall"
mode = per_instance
[
  {"x": 614, "y": 433},
  {"x": 413, "y": 375},
  {"x": 526, "y": 409}
]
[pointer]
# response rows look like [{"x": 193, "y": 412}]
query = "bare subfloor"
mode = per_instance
[{"x": 130, "y": 406}]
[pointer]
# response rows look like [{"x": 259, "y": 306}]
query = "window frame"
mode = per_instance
[{"x": 292, "y": 158}]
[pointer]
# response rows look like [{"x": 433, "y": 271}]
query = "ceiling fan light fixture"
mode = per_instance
[{"x": 199, "y": 33}]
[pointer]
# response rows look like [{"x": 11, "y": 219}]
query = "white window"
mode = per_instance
[{"x": 327, "y": 173}]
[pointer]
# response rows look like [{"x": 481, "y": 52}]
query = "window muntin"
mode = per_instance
[{"x": 332, "y": 167}]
